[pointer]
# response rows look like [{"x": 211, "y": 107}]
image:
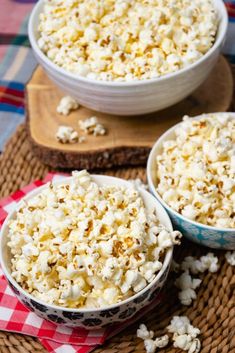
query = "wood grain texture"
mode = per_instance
[{"x": 129, "y": 139}]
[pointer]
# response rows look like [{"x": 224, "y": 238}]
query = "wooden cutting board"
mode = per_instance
[{"x": 129, "y": 139}]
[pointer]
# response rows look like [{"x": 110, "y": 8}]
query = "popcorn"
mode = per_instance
[
  {"x": 184, "y": 334},
  {"x": 187, "y": 287},
  {"x": 230, "y": 257},
  {"x": 143, "y": 332},
  {"x": 150, "y": 344},
  {"x": 162, "y": 341},
  {"x": 66, "y": 134},
  {"x": 186, "y": 343},
  {"x": 179, "y": 325},
  {"x": 66, "y": 105},
  {"x": 206, "y": 147},
  {"x": 166, "y": 239},
  {"x": 81, "y": 245},
  {"x": 91, "y": 126},
  {"x": 208, "y": 262},
  {"x": 126, "y": 40}
]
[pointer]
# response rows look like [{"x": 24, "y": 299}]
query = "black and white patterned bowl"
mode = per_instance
[{"x": 89, "y": 318}]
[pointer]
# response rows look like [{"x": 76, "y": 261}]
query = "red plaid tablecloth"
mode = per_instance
[{"x": 15, "y": 317}]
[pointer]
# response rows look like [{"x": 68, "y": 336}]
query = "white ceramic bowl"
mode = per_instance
[
  {"x": 89, "y": 318},
  {"x": 136, "y": 97},
  {"x": 213, "y": 237}
]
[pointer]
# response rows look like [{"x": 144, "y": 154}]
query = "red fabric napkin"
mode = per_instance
[{"x": 15, "y": 317}]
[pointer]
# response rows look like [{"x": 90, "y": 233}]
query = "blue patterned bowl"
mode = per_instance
[
  {"x": 212, "y": 237},
  {"x": 90, "y": 318}
]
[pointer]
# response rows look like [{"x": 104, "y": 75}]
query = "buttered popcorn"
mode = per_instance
[
  {"x": 82, "y": 245},
  {"x": 66, "y": 105},
  {"x": 124, "y": 40},
  {"x": 196, "y": 170}
]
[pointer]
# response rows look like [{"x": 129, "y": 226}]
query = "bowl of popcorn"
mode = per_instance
[
  {"x": 191, "y": 171},
  {"x": 86, "y": 250},
  {"x": 128, "y": 57}
]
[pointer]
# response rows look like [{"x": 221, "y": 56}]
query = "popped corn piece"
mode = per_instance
[
  {"x": 187, "y": 287},
  {"x": 180, "y": 325},
  {"x": 230, "y": 257},
  {"x": 162, "y": 341},
  {"x": 207, "y": 262},
  {"x": 193, "y": 265},
  {"x": 143, "y": 332},
  {"x": 186, "y": 343},
  {"x": 66, "y": 105},
  {"x": 78, "y": 244},
  {"x": 126, "y": 40},
  {"x": 150, "y": 346},
  {"x": 210, "y": 261},
  {"x": 206, "y": 146},
  {"x": 30, "y": 250},
  {"x": 91, "y": 126},
  {"x": 66, "y": 134},
  {"x": 166, "y": 239}
]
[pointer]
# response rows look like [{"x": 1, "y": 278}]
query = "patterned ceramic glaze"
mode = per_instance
[
  {"x": 90, "y": 318},
  {"x": 202, "y": 234},
  {"x": 132, "y": 97}
]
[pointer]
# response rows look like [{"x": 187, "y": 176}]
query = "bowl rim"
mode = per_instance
[
  {"x": 151, "y": 160},
  {"x": 221, "y": 32},
  {"x": 63, "y": 179}
]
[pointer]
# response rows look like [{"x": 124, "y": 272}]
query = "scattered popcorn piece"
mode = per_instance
[
  {"x": 184, "y": 334},
  {"x": 210, "y": 262},
  {"x": 207, "y": 262},
  {"x": 66, "y": 134},
  {"x": 206, "y": 146},
  {"x": 126, "y": 40},
  {"x": 162, "y": 341},
  {"x": 186, "y": 343},
  {"x": 66, "y": 105},
  {"x": 230, "y": 257},
  {"x": 150, "y": 346},
  {"x": 187, "y": 287},
  {"x": 143, "y": 332},
  {"x": 81, "y": 139},
  {"x": 193, "y": 265},
  {"x": 82, "y": 245},
  {"x": 91, "y": 126},
  {"x": 179, "y": 325}
]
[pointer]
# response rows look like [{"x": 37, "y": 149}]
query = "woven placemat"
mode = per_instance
[{"x": 213, "y": 311}]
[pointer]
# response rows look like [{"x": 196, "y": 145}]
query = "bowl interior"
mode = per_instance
[
  {"x": 150, "y": 203},
  {"x": 152, "y": 167},
  {"x": 34, "y": 35}
]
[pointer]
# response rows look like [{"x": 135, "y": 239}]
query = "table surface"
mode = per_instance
[{"x": 214, "y": 309}]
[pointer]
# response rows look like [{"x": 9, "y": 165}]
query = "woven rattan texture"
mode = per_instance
[{"x": 213, "y": 311}]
